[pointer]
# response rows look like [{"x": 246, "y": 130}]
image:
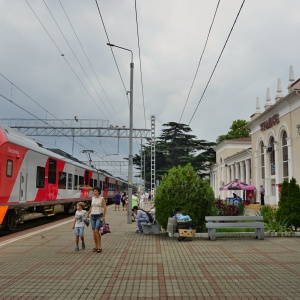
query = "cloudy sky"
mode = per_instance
[{"x": 55, "y": 63}]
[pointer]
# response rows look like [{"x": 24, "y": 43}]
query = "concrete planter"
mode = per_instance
[{"x": 240, "y": 234}]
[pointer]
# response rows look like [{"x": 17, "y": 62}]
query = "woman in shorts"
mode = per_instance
[{"x": 97, "y": 214}]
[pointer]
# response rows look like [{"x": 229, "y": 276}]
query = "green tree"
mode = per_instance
[
  {"x": 183, "y": 189},
  {"x": 237, "y": 130},
  {"x": 177, "y": 146},
  {"x": 289, "y": 203}
]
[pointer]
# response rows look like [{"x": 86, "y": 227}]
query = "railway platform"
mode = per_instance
[{"x": 42, "y": 264}]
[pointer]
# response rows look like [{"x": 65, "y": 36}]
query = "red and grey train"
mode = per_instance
[{"x": 35, "y": 181}]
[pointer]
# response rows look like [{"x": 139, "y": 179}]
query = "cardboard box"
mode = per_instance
[{"x": 187, "y": 232}]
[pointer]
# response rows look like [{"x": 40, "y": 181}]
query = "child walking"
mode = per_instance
[{"x": 80, "y": 214}]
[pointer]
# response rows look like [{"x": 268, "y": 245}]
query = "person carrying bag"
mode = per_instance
[{"x": 97, "y": 214}]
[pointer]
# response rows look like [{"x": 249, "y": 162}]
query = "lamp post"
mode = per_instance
[{"x": 130, "y": 158}]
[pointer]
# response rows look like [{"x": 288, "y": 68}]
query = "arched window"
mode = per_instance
[
  {"x": 271, "y": 152},
  {"x": 285, "y": 157},
  {"x": 262, "y": 160}
]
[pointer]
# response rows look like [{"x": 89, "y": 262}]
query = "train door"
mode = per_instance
[
  {"x": 52, "y": 185},
  {"x": 23, "y": 181}
]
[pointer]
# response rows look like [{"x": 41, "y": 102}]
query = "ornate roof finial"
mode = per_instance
[
  {"x": 279, "y": 90},
  {"x": 257, "y": 106},
  {"x": 291, "y": 77},
  {"x": 268, "y": 99}
]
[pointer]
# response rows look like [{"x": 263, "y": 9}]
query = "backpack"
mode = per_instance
[{"x": 150, "y": 217}]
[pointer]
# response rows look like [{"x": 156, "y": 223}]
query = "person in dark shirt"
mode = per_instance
[{"x": 117, "y": 201}]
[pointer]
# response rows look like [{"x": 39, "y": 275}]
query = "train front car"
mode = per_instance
[
  {"x": 36, "y": 182},
  {"x": 13, "y": 172}
]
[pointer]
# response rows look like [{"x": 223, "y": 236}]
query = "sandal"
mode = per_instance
[
  {"x": 99, "y": 250},
  {"x": 94, "y": 249}
]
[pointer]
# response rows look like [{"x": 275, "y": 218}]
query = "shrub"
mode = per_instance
[
  {"x": 241, "y": 207},
  {"x": 223, "y": 209},
  {"x": 182, "y": 189},
  {"x": 268, "y": 213}
]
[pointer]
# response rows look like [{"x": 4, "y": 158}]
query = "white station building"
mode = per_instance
[{"x": 272, "y": 153}]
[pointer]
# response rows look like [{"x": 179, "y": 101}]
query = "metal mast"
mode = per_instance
[{"x": 152, "y": 157}]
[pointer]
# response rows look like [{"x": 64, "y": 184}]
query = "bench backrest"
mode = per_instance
[{"x": 233, "y": 218}]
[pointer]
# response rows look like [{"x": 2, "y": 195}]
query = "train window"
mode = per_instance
[
  {"x": 81, "y": 182},
  {"x": 40, "y": 177},
  {"x": 91, "y": 183},
  {"x": 95, "y": 182},
  {"x": 52, "y": 171},
  {"x": 76, "y": 182},
  {"x": 62, "y": 180},
  {"x": 70, "y": 181},
  {"x": 9, "y": 168}
]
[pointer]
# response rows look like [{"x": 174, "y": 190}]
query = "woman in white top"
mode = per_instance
[{"x": 97, "y": 214}]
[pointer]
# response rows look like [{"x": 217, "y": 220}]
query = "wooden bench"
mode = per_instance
[{"x": 255, "y": 222}]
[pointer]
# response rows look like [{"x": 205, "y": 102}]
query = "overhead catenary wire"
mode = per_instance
[
  {"x": 213, "y": 20},
  {"x": 27, "y": 111},
  {"x": 80, "y": 63},
  {"x": 112, "y": 50},
  {"x": 217, "y": 61},
  {"x": 62, "y": 55},
  {"x": 138, "y": 37},
  {"x": 97, "y": 77},
  {"x": 66, "y": 40},
  {"x": 10, "y": 100}
]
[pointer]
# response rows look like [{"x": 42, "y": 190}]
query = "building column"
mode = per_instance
[
  {"x": 232, "y": 172},
  {"x": 267, "y": 181},
  {"x": 277, "y": 167},
  {"x": 257, "y": 177},
  {"x": 242, "y": 171},
  {"x": 227, "y": 174},
  {"x": 247, "y": 163},
  {"x": 237, "y": 173}
]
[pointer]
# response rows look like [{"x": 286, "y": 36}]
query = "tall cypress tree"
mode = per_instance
[{"x": 176, "y": 147}]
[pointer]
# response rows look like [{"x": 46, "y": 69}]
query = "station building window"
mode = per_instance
[
  {"x": 272, "y": 156},
  {"x": 285, "y": 157},
  {"x": 262, "y": 160}
]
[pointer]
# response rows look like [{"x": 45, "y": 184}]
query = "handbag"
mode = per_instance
[
  {"x": 104, "y": 228},
  {"x": 87, "y": 221}
]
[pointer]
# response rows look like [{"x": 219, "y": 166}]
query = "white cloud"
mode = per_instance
[{"x": 172, "y": 35}]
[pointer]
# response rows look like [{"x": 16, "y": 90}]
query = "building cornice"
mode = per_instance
[{"x": 281, "y": 107}]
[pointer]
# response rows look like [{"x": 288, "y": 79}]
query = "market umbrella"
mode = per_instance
[{"x": 237, "y": 184}]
